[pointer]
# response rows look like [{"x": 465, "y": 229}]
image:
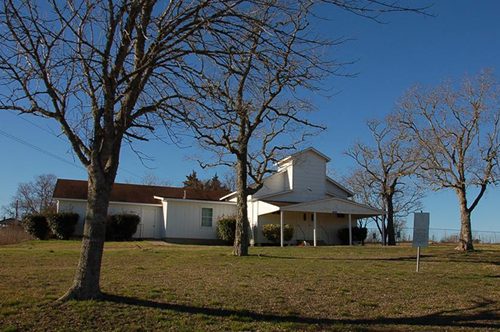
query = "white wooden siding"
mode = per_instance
[
  {"x": 183, "y": 219},
  {"x": 275, "y": 183},
  {"x": 309, "y": 179},
  {"x": 151, "y": 216},
  {"x": 79, "y": 207},
  {"x": 264, "y": 208},
  {"x": 336, "y": 191}
]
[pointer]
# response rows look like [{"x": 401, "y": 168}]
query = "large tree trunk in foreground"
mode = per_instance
[
  {"x": 86, "y": 282},
  {"x": 391, "y": 236},
  {"x": 465, "y": 240},
  {"x": 242, "y": 224}
]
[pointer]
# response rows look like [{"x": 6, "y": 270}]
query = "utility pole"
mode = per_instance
[{"x": 17, "y": 209}]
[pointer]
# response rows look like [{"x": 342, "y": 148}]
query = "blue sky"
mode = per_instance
[{"x": 463, "y": 37}]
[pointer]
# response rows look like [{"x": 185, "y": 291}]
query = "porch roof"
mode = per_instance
[{"x": 334, "y": 205}]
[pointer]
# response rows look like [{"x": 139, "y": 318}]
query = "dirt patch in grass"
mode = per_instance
[{"x": 152, "y": 286}]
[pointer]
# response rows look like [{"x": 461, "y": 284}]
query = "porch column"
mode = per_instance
[
  {"x": 350, "y": 230},
  {"x": 314, "y": 228},
  {"x": 282, "y": 226}
]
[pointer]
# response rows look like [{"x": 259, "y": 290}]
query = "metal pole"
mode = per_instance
[
  {"x": 314, "y": 229},
  {"x": 418, "y": 258},
  {"x": 350, "y": 230},
  {"x": 282, "y": 225}
]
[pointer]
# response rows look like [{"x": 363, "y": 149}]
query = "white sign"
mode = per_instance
[{"x": 421, "y": 229}]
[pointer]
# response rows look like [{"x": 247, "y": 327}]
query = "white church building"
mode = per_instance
[{"x": 300, "y": 194}]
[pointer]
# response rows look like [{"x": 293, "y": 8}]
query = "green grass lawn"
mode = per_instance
[{"x": 156, "y": 286}]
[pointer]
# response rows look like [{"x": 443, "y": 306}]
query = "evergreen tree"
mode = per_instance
[
  {"x": 192, "y": 182},
  {"x": 215, "y": 184}
]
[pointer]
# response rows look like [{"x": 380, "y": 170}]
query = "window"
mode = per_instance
[{"x": 206, "y": 217}]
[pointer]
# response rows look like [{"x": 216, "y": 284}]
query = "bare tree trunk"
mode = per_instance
[
  {"x": 242, "y": 224},
  {"x": 391, "y": 236},
  {"x": 86, "y": 284},
  {"x": 465, "y": 240},
  {"x": 381, "y": 229}
]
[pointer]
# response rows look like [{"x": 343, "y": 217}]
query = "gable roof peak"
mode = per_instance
[{"x": 298, "y": 153}]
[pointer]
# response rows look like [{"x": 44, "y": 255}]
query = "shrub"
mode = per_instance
[
  {"x": 272, "y": 232},
  {"x": 359, "y": 234},
  {"x": 63, "y": 224},
  {"x": 37, "y": 226},
  {"x": 226, "y": 228},
  {"x": 121, "y": 227},
  {"x": 13, "y": 233},
  {"x": 451, "y": 238}
]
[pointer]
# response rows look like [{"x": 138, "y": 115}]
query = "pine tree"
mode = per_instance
[
  {"x": 215, "y": 184},
  {"x": 192, "y": 182}
]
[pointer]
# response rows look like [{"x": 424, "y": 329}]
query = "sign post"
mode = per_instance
[{"x": 420, "y": 232}]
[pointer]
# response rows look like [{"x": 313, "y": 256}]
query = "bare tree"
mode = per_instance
[
  {"x": 108, "y": 72},
  {"x": 253, "y": 111},
  {"x": 229, "y": 180},
  {"x": 33, "y": 197},
  {"x": 246, "y": 112},
  {"x": 406, "y": 199},
  {"x": 383, "y": 174},
  {"x": 456, "y": 128},
  {"x": 151, "y": 179}
]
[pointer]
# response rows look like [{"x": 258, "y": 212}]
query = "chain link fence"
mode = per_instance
[{"x": 437, "y": 235}]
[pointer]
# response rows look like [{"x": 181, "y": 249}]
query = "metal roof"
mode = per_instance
[{"x": 334, "y": 205}]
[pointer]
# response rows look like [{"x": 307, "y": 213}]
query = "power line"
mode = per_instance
[
  {"x": 37, "y": 148},
  {"x": 62, "y": 139},
  {"x": 43, "y": 129}
]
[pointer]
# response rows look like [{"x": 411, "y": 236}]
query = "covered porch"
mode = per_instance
[{"x": 330, "y": 206}]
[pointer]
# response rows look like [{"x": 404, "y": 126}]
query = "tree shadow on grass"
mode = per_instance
[
  {"x": 471, "y": 261},
  {"x": 431, "y": 258},
  {"x": 482, "y": 314},
  {"x": 400, "y": 258}
]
